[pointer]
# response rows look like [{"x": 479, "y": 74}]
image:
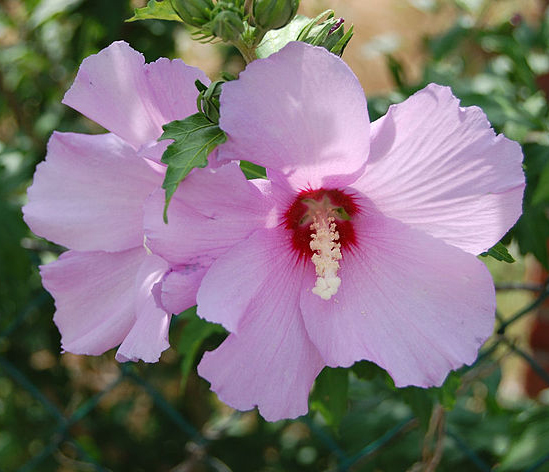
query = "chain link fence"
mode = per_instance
[{"x": 64, "y": 443}]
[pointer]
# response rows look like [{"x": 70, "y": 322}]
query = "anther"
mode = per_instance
[{"x": 326, "y": 255}]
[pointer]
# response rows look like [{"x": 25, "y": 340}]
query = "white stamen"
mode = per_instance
[{"x": 327, "y": 253}]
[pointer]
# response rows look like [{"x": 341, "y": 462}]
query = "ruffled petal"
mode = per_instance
[
  {"x": 270, "y": 362},
  {"x": 94, "y": 296},
  {"x": 409, "y": 302},
  {"x": 116, "y": 89},
  {"x": 148, "y": 337},
  {"x": 88, "y": 195},
  {"x": 177, "y": 290},
  {"x": 212, "y": 210},
  {"x": 442, "y": 169},
  {"x": 301, "y": 113}
]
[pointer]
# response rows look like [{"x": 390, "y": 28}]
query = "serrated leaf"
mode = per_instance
[
  {"x": 156, "y": 10},
  {"x": 195, "y": 138},
  {"x": 500, "y": 253},
  {"x": 195, "y": 332},
  {"x": 330, "y": 394}
]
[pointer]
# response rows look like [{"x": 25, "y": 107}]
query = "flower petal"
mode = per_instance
[
  {"x": 212, "y": 210},
  {"x": 94, "y": 296},
  {"x": 116, "y": 89},
  {"x": 300, "y": 112},
  {"x": 441, "y": 169},
  {"x": 88, "y": 195},
  {"x": 246, "y": 277},
  {"x": 177, "y": 289},
  {"x": 409, "y": 302},
  {"x": 148, "y": 337},
  {"x": 270, "y": 362}
]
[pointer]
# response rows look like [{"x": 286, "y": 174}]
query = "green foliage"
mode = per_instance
[
  {"x": 140, "y": 423},
  {"x": 500, "y": 253},
  {"x": 208, "y": 99},
  {"x": 194, "y": 334},
  {"x": 421, "y": 402},
  {"x": 194, "y": 12},
  {"x": 327, "y": 31},
  {"x": 503, "y": 69},
  {"x": 156, "y": 10},
  {"x": 195, "y": 138},
  {"x": 541, "y": 193},
  {"x": 275, "y": 40},
  {"x": 330, "y": 394},
  {"x": 532, "y": 430},
  {"x": 253, "y": 171},
  {"x": 227, "y": 25},
  {"x": 273, "y": 14}
]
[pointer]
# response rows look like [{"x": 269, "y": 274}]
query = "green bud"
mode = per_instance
[
  {"x": 329, "y": 33},
  {"x": 194, "y": 12},
  {"x": 273, "y": 14},
  {"x": 227, "y": 25},
  {"x": 208, "y": 99}
]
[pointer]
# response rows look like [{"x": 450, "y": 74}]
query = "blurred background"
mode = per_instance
[{"x": 74, "y": 413}]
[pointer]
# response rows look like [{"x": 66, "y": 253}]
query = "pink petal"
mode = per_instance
[
  {"x": 302, "y": 113},
  {"x": 94, "y": 296},
  {"x": 212, "y": 210},
  {"x": 411, "y": 303},
  {"x": 246, "y": 276},
  {"x": 178, "y": 288},
  {"x": 88, "y": 194},
  {"x": 441, "y": 169},
  {"x": 148, "y": 337},
  {"x": 270, "y": 362},
  {"x": 116, "y": 89}
]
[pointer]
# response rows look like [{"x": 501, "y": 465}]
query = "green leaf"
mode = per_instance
[
  {"x": 421, "y": 402},
  {"x": 195, "y": 138},
  {"x": 541, "y": 192},
  {"x": 253, "y": 171},
  {"x": 195, "y": 332},
  {"x": 366, "y": 370},
  {"x": 330, "y": 394},
  {"x": 156, "y": 10},
  {"x": 532, "y": 233},
  {"x": 275, "y": 40},
  {"x": 531, "y": 446},
  {"x": 447, "y": 393},
  {"x": 500, "y": 253}
]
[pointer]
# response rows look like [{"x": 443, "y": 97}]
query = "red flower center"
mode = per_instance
[{"x": 324, "y": 204}]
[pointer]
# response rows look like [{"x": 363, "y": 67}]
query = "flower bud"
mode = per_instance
[
  {"x": 329, "y": 33},
  {"x": 227, "y": 25},
  {"x": 208, "y": 99},
  {"x": 194, "y": 12},
  {"x": 273, "y": 14}
]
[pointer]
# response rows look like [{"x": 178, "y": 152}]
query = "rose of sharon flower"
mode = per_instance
[
  {"x": 88, "y": 196},
  {"x": 365, "y": 236}
]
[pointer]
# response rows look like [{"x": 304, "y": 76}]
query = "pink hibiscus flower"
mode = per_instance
[
  {"x": 362, "y": 242},
  {"x": 88, "y": 195}
]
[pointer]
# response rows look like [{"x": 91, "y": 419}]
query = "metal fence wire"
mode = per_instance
[{"x": 63, "y": 444}]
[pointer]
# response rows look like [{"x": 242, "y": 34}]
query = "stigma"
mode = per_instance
[{"x": 326, "y": 256}]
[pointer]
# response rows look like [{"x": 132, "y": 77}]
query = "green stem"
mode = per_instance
[{"x": 248, "y": 53}]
